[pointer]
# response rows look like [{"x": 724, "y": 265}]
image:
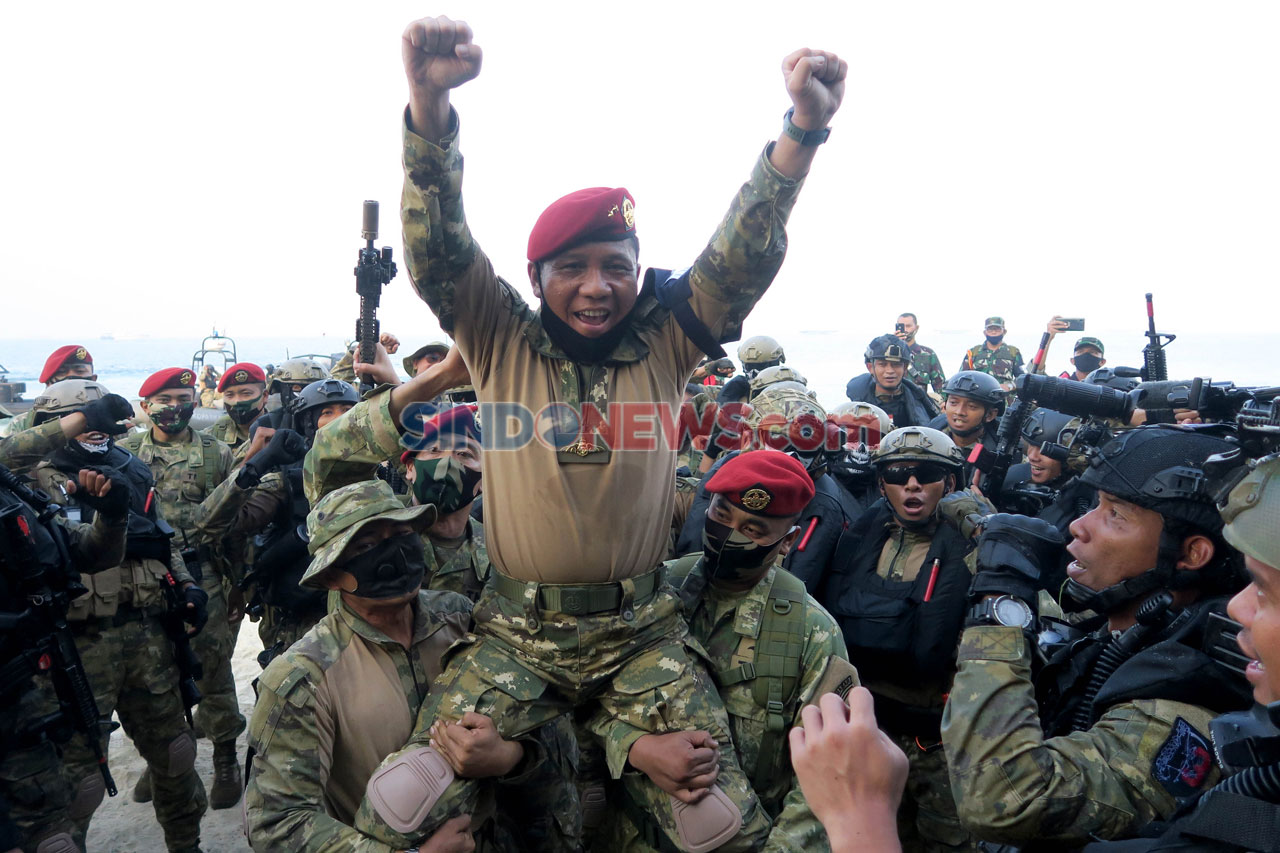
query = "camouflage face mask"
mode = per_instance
[
  {"x": 445, "y": 482},
  {"x": 173, "y": 419},
  {"x": 244, "y": 412}
]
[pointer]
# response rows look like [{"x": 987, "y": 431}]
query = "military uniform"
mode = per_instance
[
  {"x": 925, "y": 369},
  {"x": 186, "y": 472},
  {"x": 16, "y": 424},
  {"x": 232, "y": 434},
  {"x": 1004, "y": 362},
  {"x": 745, "y": 650}
]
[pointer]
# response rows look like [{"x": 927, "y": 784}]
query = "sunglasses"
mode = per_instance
[{"x": 924, "y": 474}]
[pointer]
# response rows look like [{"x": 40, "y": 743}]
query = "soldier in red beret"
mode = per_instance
[
  {"x": 187, "y": 467},
  {"x": 69, "y": 362},
  {"x": 244, "y": 395},
  {"x": 579, "y": 562}
]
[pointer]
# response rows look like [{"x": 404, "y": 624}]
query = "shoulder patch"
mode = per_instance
[{"x": 1184, "y": 760}]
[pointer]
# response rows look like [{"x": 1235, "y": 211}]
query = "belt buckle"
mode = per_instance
[{"x": 573, "y": 603}]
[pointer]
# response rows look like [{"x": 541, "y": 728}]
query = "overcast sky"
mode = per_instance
[{"x": 170, "y": 166}]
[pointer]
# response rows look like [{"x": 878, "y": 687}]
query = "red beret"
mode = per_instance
[
  {"x": 764, "y": 482},
  {"x": 241, "y": 374},
  {"x": 453, "y": 421},
  {"x": 170, "y": 377},
  {"x": 70, "y": 354},
  {"x": 597, "y": 213}
]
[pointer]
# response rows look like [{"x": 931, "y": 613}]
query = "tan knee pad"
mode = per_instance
[
  {"x": 182, "y": 754},
  {"x": 403, "y": 792},
  {"x": 708, "y": 823},
  {"x": 60, "y": 843},
  {"x": 89, "y": 794}
]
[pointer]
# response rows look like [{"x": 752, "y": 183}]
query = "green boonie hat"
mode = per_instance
[
  {"x": 340, "y": 516},
  {"x": 439, "y": 346},
  {"x": 1090, "y": 342},
  {"x": 1252, "y": 513},
  {"x": 994, "y": 321}
]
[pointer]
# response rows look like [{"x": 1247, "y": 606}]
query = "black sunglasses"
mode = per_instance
[{"x": 924, "y": 474}]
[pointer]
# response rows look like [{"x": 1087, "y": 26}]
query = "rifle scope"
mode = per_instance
[{"x": 1078, "y": 399}]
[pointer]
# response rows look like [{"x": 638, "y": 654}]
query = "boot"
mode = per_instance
[
  {"x": 227, "y": 782},
  {"x": 142, "y": 790}
]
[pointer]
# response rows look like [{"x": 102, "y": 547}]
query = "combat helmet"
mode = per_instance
[
  {"x": 65, "y": 397},
  {"x": 775, "y": 374},
  {"x": 1054, "y": 433},
  {"x": 790, "y": 420},
  {"x": 1252, "y": 512},
  {"x": 758, "y": 352},
  {"x": 918, "y": 444},
  {"x": 976, "y": 385},
  {"x": 317, "y": 395},
  {"x": 888, "y": 348},
  {"x": 296, "y": 371},
  {"x": 856, "y": 420}
]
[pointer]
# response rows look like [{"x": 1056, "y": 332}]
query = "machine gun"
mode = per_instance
[
  {"x": 1155, "y": 366},
  {"x": 190, "y": 670},
  {"x": 47, "y": 643},
  {"x": 373, "y": 270}
]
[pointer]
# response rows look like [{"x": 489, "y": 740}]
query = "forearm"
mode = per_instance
[
  {"x": 24, "y": 450},
  {"x": 217, "y": 513},
  {"x": 796, "y": 829},
  {"x": 100, "y": 545}
]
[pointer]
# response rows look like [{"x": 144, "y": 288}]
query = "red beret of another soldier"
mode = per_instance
[
  {"x": 764, "y": 482},
  {"x": 63, "y": 356},
  {"x": 585, "y": 216},
  {"x": 448, "y": 423},
  {"x": 244, "y": 373},
  {"x": 170, "y": 377}
]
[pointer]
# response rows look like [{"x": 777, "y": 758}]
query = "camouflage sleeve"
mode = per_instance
[
  {"x": 1013, "y": 785},
  {"x": 284, "y": 798},
  {"x": 230, "y": 508},
  {"x": 345, "y": 368},
  {"x": 16, "y": 424},
  {"x": 937, "y": 377},
  {"x": 745, "y": 253},
  {"x": 99, "y": 545},
  {"x": 349, "y": 449},
  {"x": 26, "y": 448}
]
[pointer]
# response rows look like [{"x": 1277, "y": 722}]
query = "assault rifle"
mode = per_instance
[
  {"x": 373, "y": 270},
  {"x": 47, "y": 643},
  {"x": 1155, "y": 366},
  {"x": 190, "y": 670}
]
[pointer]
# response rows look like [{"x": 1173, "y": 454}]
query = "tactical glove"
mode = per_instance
[
  {"x": 965, "y": 511},
  {"x": 105, "y": 414},
  {"x": 1011, "y": 552},
  {"x": 286, "y": 446},
  {"x": 197, "y": 615},
  {"x": 114, "y": 505}
]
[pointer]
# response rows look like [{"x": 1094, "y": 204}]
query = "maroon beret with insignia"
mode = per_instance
[
  {"x": 244, "y": 373},
  {"x": 449, "y": 424},
  {"x": 170, "y": 377},
  {"x": 764, "y": 482},
  {"x": 70, "y": 354},
  {"x": 585, "y": 216}
]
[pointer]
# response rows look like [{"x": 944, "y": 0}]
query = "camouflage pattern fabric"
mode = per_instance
[
  {"x": 349, "y": 449},
  {"x": 132, "y": 673},
  {"x": 636, "y": 664},
  {"x": 463, "y": 569},
  {"x": 344, "y": 368},
  {"x": 927, "y": 819},
  {"x": 232, "y": 435},
  {"x": 1013, "y": 785},
  {"x": 726, "y": 625},
  {"x": 33, "y": 783},
  {"x": 22, "y": 449},
  {"x": 1004, "y": 362},
  {"x": 17, "y": 423},
  {"x": 182, "y": 484},
  {"x": 925, "y": 369}
]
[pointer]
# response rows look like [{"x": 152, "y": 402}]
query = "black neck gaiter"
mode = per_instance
[{"x": 578, "y": 347}]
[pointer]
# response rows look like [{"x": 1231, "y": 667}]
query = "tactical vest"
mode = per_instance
[
  {"x": 208, "y": 455},
  {"x": 775, "y": 671},
  {"x": 12, "y": 586},
  {"x": 281, "y": 556},
  {"x": 892, "y": 633}
]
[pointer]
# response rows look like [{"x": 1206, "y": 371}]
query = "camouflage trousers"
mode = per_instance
[
  {"x": 132, "y": 672},
  {"x": 525, "y": 666},
  {"x": 927, "y": 819},
  {"x": 32, "y": 782},
  {"x": 218, "y": 714}
]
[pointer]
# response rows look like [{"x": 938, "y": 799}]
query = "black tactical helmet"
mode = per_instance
[
  {"x": 317, "y": 395},
  {"x": 888, "y": 347},
  {"x": 976, "y": 385},
  {"x": 1047, "y": 425}
]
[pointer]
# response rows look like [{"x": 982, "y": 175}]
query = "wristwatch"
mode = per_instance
[
  {"x": 804, "y": 137},
  {"x": 1002, "y": 610}
]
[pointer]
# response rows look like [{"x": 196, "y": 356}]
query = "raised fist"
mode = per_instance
[
  {"x": 438, "y": 54},
  {"x": 815, "y": 82}
]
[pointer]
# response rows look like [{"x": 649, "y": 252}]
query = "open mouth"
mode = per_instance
[
  {"x": 1037, "y": 470},
  {"x": 593, "y": 317},
  {"x": 913, "y": 506},
  {"x": 1075, "y": 569}
]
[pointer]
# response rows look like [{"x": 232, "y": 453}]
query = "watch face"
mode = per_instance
[{"x": 1010, "y": 611}]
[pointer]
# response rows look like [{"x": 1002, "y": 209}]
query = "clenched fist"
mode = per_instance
[
  {"x": 815, "y": 82},
  {"x": 438, "y": 56}
]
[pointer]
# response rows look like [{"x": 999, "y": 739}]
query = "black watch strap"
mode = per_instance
[{"x": 804, "y": 137}]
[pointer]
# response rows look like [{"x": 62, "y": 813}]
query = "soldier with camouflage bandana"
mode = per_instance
[
  {"x": 994, "y": 356},
  {"x": 564, "y": 593}
]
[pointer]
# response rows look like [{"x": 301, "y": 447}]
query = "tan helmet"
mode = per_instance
[
  {"x": 1252, "y": 512},
  {"x": 298, "y": 371},
  {"x": 918, "y": 444},
  {"x": 775, "y": 374},
  {"x": 760, "y": 349},
  {"x": 854, "y": 418},
  {"x": 67, "y": 396}
]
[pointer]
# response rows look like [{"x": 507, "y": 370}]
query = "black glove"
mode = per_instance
[
  {"x": 114, "y": 505},
  {"x": 105, "y": 414},
  {"x": 197, "y": 615},
  {"x": 1011, "y": 552},
  {"x": 285, "y": 446}
]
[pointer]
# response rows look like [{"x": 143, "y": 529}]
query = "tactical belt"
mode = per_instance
[
  {"x": 579, "y": 599},
  {"x": 123, "y": 616}
]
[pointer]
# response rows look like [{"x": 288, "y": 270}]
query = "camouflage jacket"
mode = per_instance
[
  {"x": 350, "y": 448},
  {"x": 1014, "y": 785},
  {"x": 232, "y": 435},
  {"x": 464, "y": 569},
  {"x": 186, "y": 472},
  {"x": 329, "y": 710},
  {"x": 926, "y": 369},
  {"x": 1004, "y": 362},
  {"x": 727, "y": 625},
  {"x": 17, "y": 423}
]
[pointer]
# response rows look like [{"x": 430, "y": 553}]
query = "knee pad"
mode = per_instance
[
  {"x": 182, "y": 754},
  {"x": 708, "y": 823},
  {"x": 60, "y": 843},
  {"x": 403, "y": 792},
  {"x": 89, "y": 794}
]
